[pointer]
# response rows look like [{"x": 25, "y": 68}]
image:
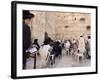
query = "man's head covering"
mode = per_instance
[{"x": 27, "y": 15}]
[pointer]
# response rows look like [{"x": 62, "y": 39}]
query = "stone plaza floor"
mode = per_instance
[{"x": 63, "y": 62}]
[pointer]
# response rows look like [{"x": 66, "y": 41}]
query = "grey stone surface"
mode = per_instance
[{"x": 64, "y": 62}]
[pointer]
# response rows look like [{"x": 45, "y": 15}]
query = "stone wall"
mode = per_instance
[{"x": 60, "y": 25}]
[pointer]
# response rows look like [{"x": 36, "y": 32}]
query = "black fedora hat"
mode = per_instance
[{"x": 27, "y": 14}]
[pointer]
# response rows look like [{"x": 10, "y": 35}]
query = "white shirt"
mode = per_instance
[{"x": 67, "y": 45}]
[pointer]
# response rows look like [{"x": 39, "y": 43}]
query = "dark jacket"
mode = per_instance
[{"x": 26, "y": 37}]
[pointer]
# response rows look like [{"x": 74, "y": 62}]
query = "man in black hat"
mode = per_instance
[{"x": 27, "y": 16}]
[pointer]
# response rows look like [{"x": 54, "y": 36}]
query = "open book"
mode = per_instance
[{"x": 31, "y": 50}]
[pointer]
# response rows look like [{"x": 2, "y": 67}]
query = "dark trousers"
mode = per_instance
[{"x": 24, "y": 60}]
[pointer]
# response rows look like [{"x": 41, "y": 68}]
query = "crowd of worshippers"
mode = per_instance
[{"x": 56, "y": 46}]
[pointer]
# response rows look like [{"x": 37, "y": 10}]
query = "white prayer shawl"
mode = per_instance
[
  {"x": 81, "y": 45},
  {"x": 44, "y": 51}
]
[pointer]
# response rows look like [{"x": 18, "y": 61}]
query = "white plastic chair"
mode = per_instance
[{"x": 79, "y": 54}]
